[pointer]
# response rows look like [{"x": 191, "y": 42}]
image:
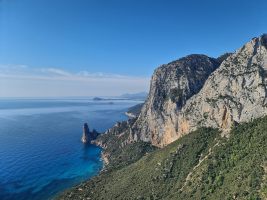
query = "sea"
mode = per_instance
[{"x": 41, "y": 153}]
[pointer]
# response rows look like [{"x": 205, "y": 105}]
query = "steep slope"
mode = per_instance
[
  {"x": 117, "y": 152},
  {"x": 181, "y": 98},
  {"x": 157, "y": 122},
  {"x": 171, "y": 86},
  {"x": 236, "y": 169},
  {"x": 200, "y": 165},
  {"x": 236, "y": 92}
]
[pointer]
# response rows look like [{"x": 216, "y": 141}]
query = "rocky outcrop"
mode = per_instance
[
  {"x": 197, "y": 91},
  {"x": 115, "y": 137},
  {"x": 118, "y": 150},
  {"x": 85, "y": 137},
  {"x": 224, "y": 57},
  {"x": 88, "y": 136},
  {"x": 171, "y": 86},
  {"x": 200, "y": 91},
  {"x": 236, "y": 92}
]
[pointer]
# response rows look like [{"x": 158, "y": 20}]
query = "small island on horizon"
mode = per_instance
[{"x": 141, "y": 96}]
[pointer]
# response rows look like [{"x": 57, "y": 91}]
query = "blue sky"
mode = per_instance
[{"x": 118, "y": 43}]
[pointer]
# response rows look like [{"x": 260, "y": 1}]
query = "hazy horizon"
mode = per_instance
[
  {"x": 24, "y": 81},
  {"x": 67, "y": 97}
]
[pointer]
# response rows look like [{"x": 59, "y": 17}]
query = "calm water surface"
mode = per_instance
[{"x": 40, "y": 149}]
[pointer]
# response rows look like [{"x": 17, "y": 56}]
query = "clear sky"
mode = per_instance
[{"x": 97, "y": 47}]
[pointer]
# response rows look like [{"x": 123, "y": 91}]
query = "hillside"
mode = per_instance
[
  {"x": 201, "y": 133},
  {"x": 200, "y": 165}
]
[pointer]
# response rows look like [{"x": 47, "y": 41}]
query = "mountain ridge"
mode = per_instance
[{"x": 215, "y": 104}]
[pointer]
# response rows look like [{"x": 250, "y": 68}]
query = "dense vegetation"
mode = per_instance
[
  {"x": 236, "y": 169},
  {"x": 122, "y": 157},
  {"x": 118, "y": 153},
  {"x": 200, "y": 165}
]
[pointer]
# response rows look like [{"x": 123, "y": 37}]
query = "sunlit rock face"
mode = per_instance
[
  {"x": 201, "y": 91},
  {"x": 234, "y": 93},
  {"x": 171, "y": 87}
]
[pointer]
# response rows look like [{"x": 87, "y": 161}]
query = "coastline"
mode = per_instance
[
  {"x": 104, "y": 157},
  {"x": 114, "y": 153},
  {"x": 114, "y": 157}
]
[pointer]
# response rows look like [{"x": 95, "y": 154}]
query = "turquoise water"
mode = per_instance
[{"x": 40, "y": 149}]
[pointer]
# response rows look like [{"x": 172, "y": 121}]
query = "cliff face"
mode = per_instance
[
  {"x": 234, "y": 93},
  {"x": 171, "y": 86},
  {"x": 199, "y": 91},
  {"x": 188, "y": 93}
]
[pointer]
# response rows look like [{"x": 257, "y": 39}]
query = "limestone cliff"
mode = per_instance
[
  {"x": 236, "y": 92},
  {"x": 171, "y": 86},
  {"x": 200, "y": 91}
]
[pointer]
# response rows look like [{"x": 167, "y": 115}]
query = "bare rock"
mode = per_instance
[{"x": 197, "y": 91}]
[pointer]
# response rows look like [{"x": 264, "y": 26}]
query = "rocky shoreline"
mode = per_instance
[{"x": 104, "y": 155}]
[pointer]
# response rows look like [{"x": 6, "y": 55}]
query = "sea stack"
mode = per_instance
[{"x": 86, "y": 134}]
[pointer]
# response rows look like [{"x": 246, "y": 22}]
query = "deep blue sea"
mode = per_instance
[{"x": 41, "y": 153}]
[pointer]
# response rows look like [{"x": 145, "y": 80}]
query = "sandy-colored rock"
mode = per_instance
[
  {"x": 234, "y": 93},
  {"x": 200, "y": 91},
  {"x": 171, "y": 86}
]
